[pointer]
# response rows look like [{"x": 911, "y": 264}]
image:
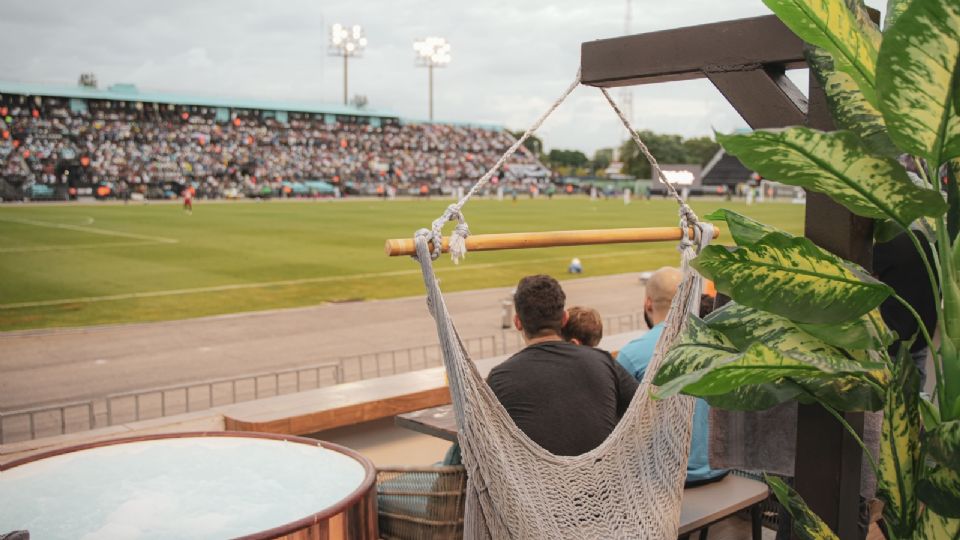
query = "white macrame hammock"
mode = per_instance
[{"x": 631, "y": 485}]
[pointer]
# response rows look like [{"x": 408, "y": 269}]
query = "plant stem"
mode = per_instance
[
  {"x": 852, "y": 432},
  {"x": 945, "y": 271}
]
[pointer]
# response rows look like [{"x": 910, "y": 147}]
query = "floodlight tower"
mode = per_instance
[
  {"x": 346, "y": 42},
  {"x": 432, "y": 52}
]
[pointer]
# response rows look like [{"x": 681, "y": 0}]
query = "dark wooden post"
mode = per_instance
[
  {"x": 828, "y": 461},
  {"x": 746, "y": 60}
]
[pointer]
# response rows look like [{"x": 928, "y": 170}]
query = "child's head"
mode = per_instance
[{"x": 583, "y": 327}]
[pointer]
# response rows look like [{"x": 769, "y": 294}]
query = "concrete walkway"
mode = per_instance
[{"x": 46, "y": 366}]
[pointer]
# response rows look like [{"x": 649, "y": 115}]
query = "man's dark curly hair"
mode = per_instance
[{"x": 539, "y": 303}]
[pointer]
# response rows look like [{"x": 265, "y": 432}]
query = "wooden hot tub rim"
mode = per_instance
[{"x": 353, "y": 498}]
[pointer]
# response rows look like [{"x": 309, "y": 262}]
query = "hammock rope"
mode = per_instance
[
  {"x": 631, "y": 485},
  {"x": 454, "y": 212}
]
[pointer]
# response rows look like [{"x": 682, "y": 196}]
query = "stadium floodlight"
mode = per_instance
[
  {"x": 346, "y": 42},
  {"x": 432, "y": 52}
]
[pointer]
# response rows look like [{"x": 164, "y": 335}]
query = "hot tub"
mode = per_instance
[{"x": 192, "y": 485}]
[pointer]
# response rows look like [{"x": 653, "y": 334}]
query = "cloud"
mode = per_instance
[{"x": 510, "y": 59}]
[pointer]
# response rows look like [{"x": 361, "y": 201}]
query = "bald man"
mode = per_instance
[
  {"x": 660, "y": 291},
  {"x": 636, "y": 355}
]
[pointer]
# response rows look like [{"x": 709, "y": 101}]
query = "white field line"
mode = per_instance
[
  {"x": 92, "y": 230},
  {"x": 288, "y": 282}
]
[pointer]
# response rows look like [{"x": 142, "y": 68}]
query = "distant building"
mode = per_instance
[{"x": 725, "y": 170}]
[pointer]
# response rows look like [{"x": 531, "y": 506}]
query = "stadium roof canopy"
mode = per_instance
[
  {"x": 129, "y": 92},
  {"x": 724, "y": 170}
]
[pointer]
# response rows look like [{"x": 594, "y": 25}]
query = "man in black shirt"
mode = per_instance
[{"x": 567, "y": 398}]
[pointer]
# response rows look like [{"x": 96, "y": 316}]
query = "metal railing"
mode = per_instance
[
  {"x": 223, "y": 391},
  {"x": 49, "y": 420},
  {"x": 150, "y": 403}
]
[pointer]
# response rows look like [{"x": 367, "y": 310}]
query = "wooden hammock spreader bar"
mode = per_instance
[{"x": 493, "y": 242}]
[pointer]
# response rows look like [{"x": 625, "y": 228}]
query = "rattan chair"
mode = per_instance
[{"x": 421, "y": 502}]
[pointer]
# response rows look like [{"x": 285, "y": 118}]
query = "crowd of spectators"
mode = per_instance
[{"x": 112, "y": 142}]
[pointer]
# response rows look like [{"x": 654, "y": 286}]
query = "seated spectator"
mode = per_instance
[
  {"x": 584, "y": 326},
  {"x": 636, "y": 355},
  {"x": 567, "y": 398}
]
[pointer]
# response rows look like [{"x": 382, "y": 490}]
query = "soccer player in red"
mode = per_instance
[{"x": 188, "y": 200}]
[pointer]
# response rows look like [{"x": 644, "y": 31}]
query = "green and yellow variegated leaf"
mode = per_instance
[
  {"x": 867, "y": 332},
  {"x": 747, "y": 372},
  {"x": 899, "y": 451},
  {"x": 773, "y": 351},
  {"x": 697, "y": 347},
  {"x": 830, "y": 24},
  {"x": 743, "y": 230},
  {"x": 794, "y": 278},
  {"x": 895, "y": 8},
  {"x": 744, "y": 326},
  {"x": 848, "y": 393},
  {"x": 943, "y": 444},
  {"x": 757, "y": 397},
  {"x": 839, "y": 165},
  {"x": 936, "y": 526},
  {"x": 758, "y": 364},
  {"x": 939, "y": 489},
  {"x": 851, "y": 110},
  {"x": 916, "y": 82},
  {"x": 806, "y": 524}
]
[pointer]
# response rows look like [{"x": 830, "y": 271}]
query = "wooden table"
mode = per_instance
[{"x": 702, "y": 505}]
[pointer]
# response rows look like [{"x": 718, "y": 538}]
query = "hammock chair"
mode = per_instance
[{"x": 631, "y": 485}]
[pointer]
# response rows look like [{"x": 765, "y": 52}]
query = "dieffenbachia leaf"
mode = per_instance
[
  {"x": 936, "y": 526},
  {"x": 848, "y": 393},
  {"x": 806, "y": 524},
  {"x": 939, "y": 489},
  {"x": 744, "y": 326},
  {"x": 851, "y": 110},
  {"x": 757, "y": 397},
  {"x": 699, "y": 347},
  {"x": 899, "y": 451},
  {"x": 743, "y": 230},
  {"x": 832, "y": 25},
  {"x": 895, "y": 8},
  {"x": 770, "y": 352},
  {"x": 943, "y": 444},
  {"x": 867, "y": 332},
  {"x": 792, "y": 277},
  {"x": 916, "y": 80},
  {"x": 839, "y": 165}
]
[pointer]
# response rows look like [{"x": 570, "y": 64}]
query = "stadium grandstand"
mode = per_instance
[{"x": 65, "y": 142}]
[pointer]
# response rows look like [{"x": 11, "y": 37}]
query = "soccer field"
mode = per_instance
[{"x": 79, "y": 265}]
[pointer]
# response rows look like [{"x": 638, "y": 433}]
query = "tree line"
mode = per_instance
[{"x": 667, "y": 149}]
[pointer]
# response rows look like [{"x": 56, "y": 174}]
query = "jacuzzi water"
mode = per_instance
[{"x": 198, "y": 487}]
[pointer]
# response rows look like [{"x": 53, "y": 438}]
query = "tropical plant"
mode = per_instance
[{"x": 804, "y": 324}]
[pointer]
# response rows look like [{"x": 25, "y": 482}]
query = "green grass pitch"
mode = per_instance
[{"x": 82, "y": 265}]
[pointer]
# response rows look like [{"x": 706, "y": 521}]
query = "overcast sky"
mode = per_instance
[{"x": 510, "y": 58}]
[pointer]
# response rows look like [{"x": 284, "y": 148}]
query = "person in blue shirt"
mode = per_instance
[{"x": 636, "y": 355}]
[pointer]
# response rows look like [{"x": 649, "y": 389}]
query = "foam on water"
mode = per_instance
[{"x": 203, "y": 487}]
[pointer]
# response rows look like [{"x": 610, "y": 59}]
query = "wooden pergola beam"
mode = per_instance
[{"x": 686, "y": 53}]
